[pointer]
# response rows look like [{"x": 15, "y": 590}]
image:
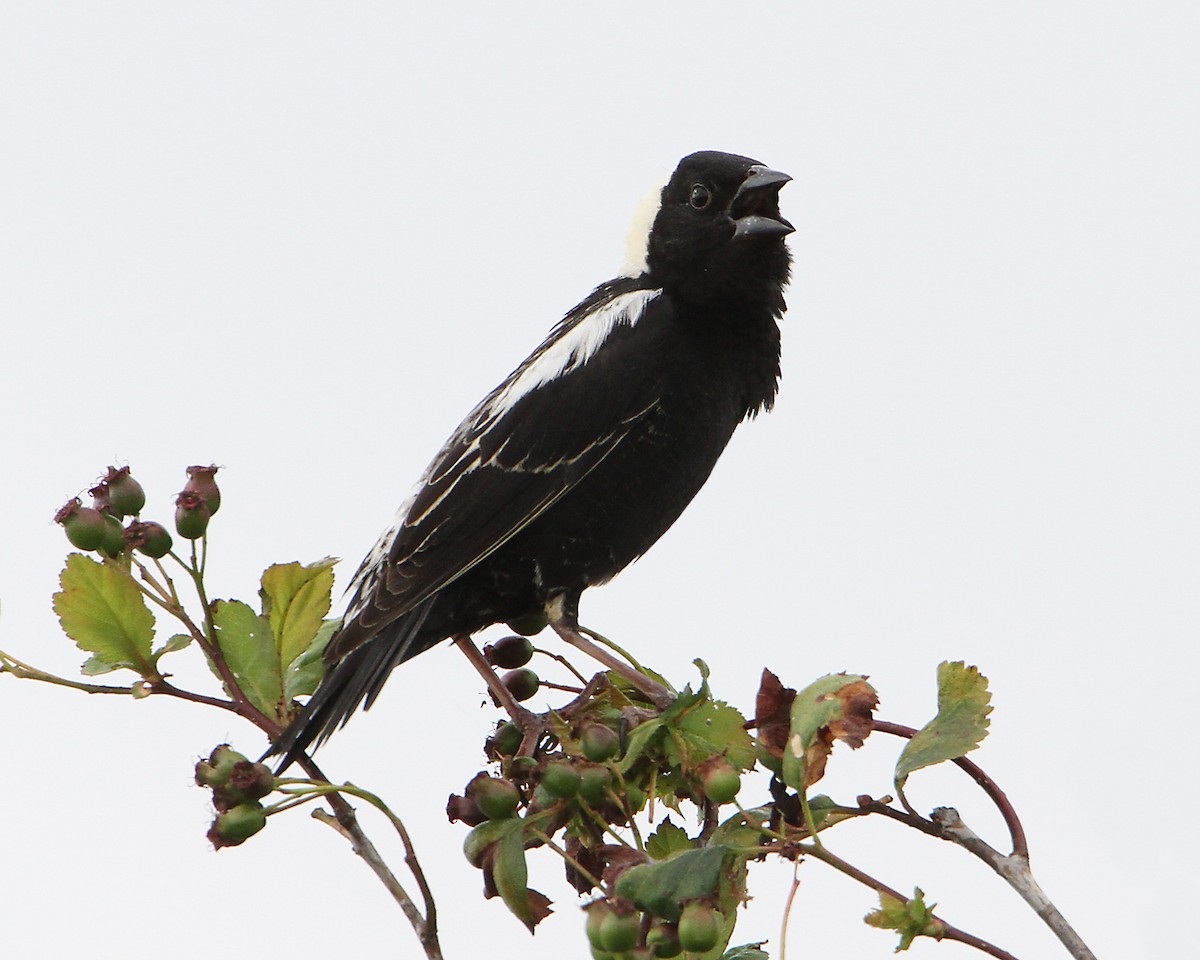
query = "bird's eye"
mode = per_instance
[{"x": 700, "y": 197}]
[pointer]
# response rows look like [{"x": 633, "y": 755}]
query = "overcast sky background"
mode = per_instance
[{"x": 301, "y": 240}]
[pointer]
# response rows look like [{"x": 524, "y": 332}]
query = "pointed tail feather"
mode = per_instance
[{"x": 358, "y": 676}]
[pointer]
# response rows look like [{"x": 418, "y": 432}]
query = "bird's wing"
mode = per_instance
[{"x": 531, "y": 440}]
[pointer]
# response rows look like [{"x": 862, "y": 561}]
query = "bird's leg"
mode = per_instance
[
  {"x": 562, "y": 614},
  {"x": 525, "y": 719}
]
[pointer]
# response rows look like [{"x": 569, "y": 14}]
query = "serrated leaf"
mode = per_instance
[
  {"x": 511, "y": 877},
  {"x": 660, "y": 888},
  {"x": 964, "y": 703},
  {"x": 714, "y": 727},
  {"x": 813, "y": 710},
  {"x": 644, "y": 737},
  {"x": 910, "y": 919},
  {"x": 296, "y": 598},
  {"x": 667, "y": 840},
  {"x": 101, "y": 609},
  {"x": 177, "y": 642},
  {"x": 304, "y": 674},
  {"x": 248, "y": 646}
]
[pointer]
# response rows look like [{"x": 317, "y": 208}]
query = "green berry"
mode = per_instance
[
  {"x": 218, "y": 768},
  {"x": 85, "y": 526},
  {"x": 561, "y": 779},
  {"x": 619, "y": 931},
  {"x": 476, "y": 846},
  {"x": 114, "y": 536},
  {"x": 599, "y": 743},
  {"x": 497, "y": 799},
  {"x": 148, "y": 537},
  {"x": 191, "y": 515},
  {"x": 237, "y": 825},
  {"x": 522, "y": 683},
  {"x": 699, "y": 927},
  {"x": 529, "y": 624},
  {"x": 597, "y": 913},
  {"x": 663, "y": 940},
  {"x": 125, "y": 495},
  {"x": 508, "y": 653},
  {"x": 506, "y": 741},
  {"x": 593, "y": 785},
  {"x": 721, "y": 781}
]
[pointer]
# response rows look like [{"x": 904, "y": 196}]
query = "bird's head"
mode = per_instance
[{"x": 716, "y": 230}]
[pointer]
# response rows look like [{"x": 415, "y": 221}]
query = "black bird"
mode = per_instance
[{"x": 586, "y": 454}]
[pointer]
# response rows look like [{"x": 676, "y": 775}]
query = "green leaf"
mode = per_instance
[
  {"x": 645, "y": 736},
  {"x": 177, "y": 642},
  {"x": 660, "y": 888},
  {"x": 816, "y": 706},
  {"x": 714, "y": 727},
  {"x": 511, "y": 876},
  {"x": 247, "y": 644},
  {"x": 295, "y": 599},
  {"x": 964, "y": 703},
  {"x": 747, "y": 951},
  {"x": 666, "y": 840},
  {"x": 303, "y": 674},
  {"x": 911, "y": 919},
  {"x": 101, "y": 609}
]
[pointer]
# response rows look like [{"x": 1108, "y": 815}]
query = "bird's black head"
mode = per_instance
[{"x": 718, "y": 235}]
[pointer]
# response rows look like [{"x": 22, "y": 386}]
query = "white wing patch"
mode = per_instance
[{"x": 572, "y": 349}]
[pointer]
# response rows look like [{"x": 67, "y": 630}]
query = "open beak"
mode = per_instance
[{"x": 755, "y": 207}]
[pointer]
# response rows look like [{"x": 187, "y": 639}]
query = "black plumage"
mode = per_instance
[{"x": 579, "y": 461}]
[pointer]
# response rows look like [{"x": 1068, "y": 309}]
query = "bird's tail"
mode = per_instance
[{"x": 358, "y": 676}]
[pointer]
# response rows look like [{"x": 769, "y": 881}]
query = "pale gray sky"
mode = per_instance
[{"x": 301, "y": 240}]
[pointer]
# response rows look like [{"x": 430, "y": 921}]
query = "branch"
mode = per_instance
[
  {"x": 950, "y": 932},
  {"x": 1020, "y": 845},
  {"x": 346, "y": 823},
  {"x": 1014, "y": 868}
]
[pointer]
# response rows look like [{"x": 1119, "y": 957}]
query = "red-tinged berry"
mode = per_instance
[
  {"x": 699, "y": 927},
  {"x": 148, "y": 537},
  {"x": 619, "y": 931},
  {"x": 100, "y": 497},
  {"x": 237, "y": 825},
  {"x": 720, "y": 780},
  {"x": 561, "y": 779},
  {"x": 599, "y": 743},
  {"x": 254, "y": 780},
  {"x": 114, "y": 536},
  {"x": 85, "y": 526},
  {"x": 218, "y": 768},
  {"x": 201, "y": 481},
  {"x": 593, "y": 785},
  {"x": 125, "y": 495},
  {"x": 508, "y": 653},
  {"x": 497, "y": 799},
  {"x": 528, "y": 625},
  {"x": 191, "y": 515},
  {"x": 464, "y": 810},
  {"x": 522, "y": 683}
]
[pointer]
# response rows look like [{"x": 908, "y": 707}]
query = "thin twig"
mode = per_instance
[
  {"x": 1014, "y": 868},
  {"x": 949, "y": 931},
  {"x": 1020, "y": 845}
]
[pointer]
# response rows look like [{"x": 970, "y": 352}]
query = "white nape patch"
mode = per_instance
[
  {"x": 573, "y": 348},
  {"x": 638, "y": 239}
]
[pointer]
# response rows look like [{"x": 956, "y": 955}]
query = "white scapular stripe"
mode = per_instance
[{"x": 573, "y": 348}]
